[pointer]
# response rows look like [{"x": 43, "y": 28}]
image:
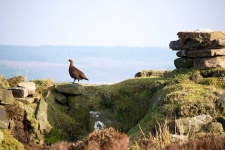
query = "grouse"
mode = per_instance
[{"x": 76, "y": 73}]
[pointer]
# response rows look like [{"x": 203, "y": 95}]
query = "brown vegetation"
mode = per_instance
[{"x": 107, "y": 139}]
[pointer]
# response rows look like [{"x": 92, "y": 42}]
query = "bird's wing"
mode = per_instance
[
  {"x": 82, "y": 75},
  {"x": 73, "y": 72}
]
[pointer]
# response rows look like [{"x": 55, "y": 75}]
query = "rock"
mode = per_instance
[
  {"x": 6, "y": 97},
  {"x": 194, "y": 124},
  {"x": 19, "y": 92},
  {"x": 184, "y": 62},
  {"x": 4, "y": 122},
  {"x": 198, "y": 40},
  {"x": 151, "y": 73},
  {"x": 215, "y": 127},
  {"x": 220, "y": 103},
  {"x": 210, "y": 62},
  {"x": 13, "y": 82},
  {"x": 205, "y": 53},
  {"x": 105, "y": 117},
  {"x": 99, "y": 125},
  {"x": 60, "y": 98},
  {"x": 1, "y": 137},
  {"x": 182, "y": 53},
  {"x": 29, "y": 85},
  {"x": 71, "y": 89},
  {"x": 42, "y": 118},
  {"x": 27, "y": 100}
]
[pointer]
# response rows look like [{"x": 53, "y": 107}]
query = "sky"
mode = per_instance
[
  {"x": 103, "y": 26},
  {"x": 132, "y": 23}
]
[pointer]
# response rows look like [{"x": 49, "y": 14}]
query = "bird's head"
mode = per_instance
[{"x": 70, "y": 60}]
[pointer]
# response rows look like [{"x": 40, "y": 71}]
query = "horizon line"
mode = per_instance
[{"x": 116, "y": 46}]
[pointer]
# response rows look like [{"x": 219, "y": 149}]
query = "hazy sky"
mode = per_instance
[{"x": 142, "y": 23}]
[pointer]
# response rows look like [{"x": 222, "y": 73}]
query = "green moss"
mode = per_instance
[{"x": 10, "y": 143}]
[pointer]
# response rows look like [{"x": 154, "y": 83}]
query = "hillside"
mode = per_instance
[{"x": 190, "y": 101}]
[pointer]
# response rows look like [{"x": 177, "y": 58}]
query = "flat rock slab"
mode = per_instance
[
  {"x": 27, "y": 100},
  {"x": 151, "y": 73},
  {"x": 194, "y": 45},
  {"x": 4, "y": 122},
  {"x": 210, "y": 62},
  {"x": 201, "y": 53},
  {"x": 29, "y": 85},
  {"x": 70, "y": 88},
  {"x": 201, "y": 35},
  {"x": 19, "y": 92},
  {"x": 198, "y": 40},
  {"x": 6, "y": 96}
]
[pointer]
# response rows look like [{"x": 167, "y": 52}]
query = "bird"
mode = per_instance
[{"x": 75, "y": 72}]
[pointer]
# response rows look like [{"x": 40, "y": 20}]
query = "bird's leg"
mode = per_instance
[{"x": 74, "y": 80}]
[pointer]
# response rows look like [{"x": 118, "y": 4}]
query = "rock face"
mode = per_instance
[
  {"x": 201, "y": 49},
  {"x": 42, "y": 117},
  {"x": 6, "y": 97},
  {"x": 4, "y": 122}
]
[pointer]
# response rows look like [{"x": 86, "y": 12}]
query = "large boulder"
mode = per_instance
[
  {"x": 19, "y": 92},
  {"x": 184, "y": 63},
  {"x": 209, "y": 62},
  {"x": 71, "y": 89},
  {"x": 28, "y": 85},
  {"x": 4, "y": 122},
  {"x": 214, "y": 127},
  {"x": 42, "y": 118},
  {"x": 6, "y": 96},
  {"x": 194, "y": 124}
]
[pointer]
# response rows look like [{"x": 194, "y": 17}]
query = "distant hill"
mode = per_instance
[{"x": 100, "y": 64}]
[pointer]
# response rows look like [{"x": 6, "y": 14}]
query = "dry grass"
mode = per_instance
[
  {"x": 42, "y": 86},
  {"x": 161, "y": 139},
  {"x": 207, "y": 142}
]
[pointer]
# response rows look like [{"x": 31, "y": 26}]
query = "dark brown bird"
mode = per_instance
[{"x": 76, "y": 73}]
